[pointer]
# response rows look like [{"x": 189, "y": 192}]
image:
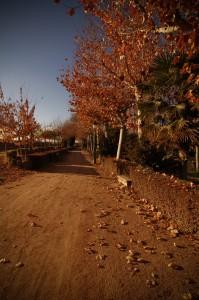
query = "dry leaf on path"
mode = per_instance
[
  {"x": 19, "y": 264},
  {"x": 123, "y": 222},
  {"x": 121, "y": 247},
  {"x": 4, "y": 260},
  {"x": 175, "y": 266}
]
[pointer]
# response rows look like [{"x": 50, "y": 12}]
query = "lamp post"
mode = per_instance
[{"x": 94, "y": 143}]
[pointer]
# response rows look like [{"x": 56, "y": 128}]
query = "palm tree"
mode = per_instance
[{"x": 170, "y": 120}]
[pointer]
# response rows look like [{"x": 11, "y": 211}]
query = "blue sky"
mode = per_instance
[{"x": 35, "y": 38}]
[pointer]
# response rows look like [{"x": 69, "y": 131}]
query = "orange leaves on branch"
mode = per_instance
[
  {"x": 89, "y": 5},
  {"x": 109, "y": 65},
  {"x": 17, "y": 121},
  {"x": 105, "y": 73},
  {"x": 191, "y": 97},
  {"x": 26, "y": 124},
  {"x": 133, "y": 10},
  {"x": 176, "y": 60}
]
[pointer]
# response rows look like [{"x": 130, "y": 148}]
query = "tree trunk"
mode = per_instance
[
  {"x": 98, "y": 146},
  {"x": 139, "y": 121},
  {"x": 197, "y": 159},
  {"x": 184, "y": 169},
  {"x": 139, "y": 125},
  {"x": 94, "y": 147},
  {"x": 88, "y": 143},
  {"x": 120, "y": 143}
]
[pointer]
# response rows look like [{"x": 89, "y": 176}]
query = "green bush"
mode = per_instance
[{"x": 144, "y": 153}]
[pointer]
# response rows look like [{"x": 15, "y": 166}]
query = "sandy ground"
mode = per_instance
[{"x": 65, "y": 233}]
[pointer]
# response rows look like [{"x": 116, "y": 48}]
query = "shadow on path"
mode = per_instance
[{"x": 74, "y": 162}]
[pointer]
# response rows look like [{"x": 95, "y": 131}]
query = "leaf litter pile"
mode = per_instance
[
  {"x": 165, "y": 242},
  {"x": 10, "y": 174}
]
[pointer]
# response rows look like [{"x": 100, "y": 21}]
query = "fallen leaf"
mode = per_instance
[
  {"x": 175, "y": 266},
  {"x": 148, "y": 248},
  {"x": 130, "y": 206},
  {"x": 142, "y": 260},
  {"x": 161, "y": 239},
  {"x": 90, "y": 251},
  {"x": 100, "y": 257},
  {"x": 167, "y": 254},
  {"x": 136, "y": 270},
  {"x": 123, "y": 222},
  {"x": 19, "y": 264},
  {"x": 30, "y": 215},
  {"x": 4, "y": 260},
  {"x": 141, "y": 242},
  {"x": 130, "y": 233},
  {"x": 151, "y": 283},
  {"x": 154, "y": 275},
  {"x": 174, "y": 233},
  {"x": 121, "y": 247},
  {"x": 91, "y": 244},
  {"x": 103, "y": 244},
  {"x": 179, "y": 246},
  {"x": 102, "y": 225},
  {"x": 100, "y": 266}
]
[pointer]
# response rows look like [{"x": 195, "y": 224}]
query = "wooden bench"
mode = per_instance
[{"x": 124, "y": 180}]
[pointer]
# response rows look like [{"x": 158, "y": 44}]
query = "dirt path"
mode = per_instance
[{"x": 72, "y": 229}]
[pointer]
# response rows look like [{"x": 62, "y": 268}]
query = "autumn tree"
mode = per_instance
[
  {"x": 7, "y": 118},
  {"x": 48, "y": 135},
  {"x": 176, "y": 19},
  {"x": 17, "y": 121},
  {"x": 25, "y": 122},
  {"x": 124, "y": 54},
  {"x": 137, "y": 32},
  {"x": 99, "y": 93},
  {"x": 68, "y": 128}
]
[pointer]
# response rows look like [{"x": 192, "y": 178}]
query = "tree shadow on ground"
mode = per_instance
[{"x": 73, "y": 162}]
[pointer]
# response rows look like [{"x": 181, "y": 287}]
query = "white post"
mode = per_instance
[
  {"x": 119, "y": 143},
  {"x": 139, "y": 121},
  {"x": 197, "y": 159},
  {"x": 98, "y": 145},
  {"x": 105, "y": 131}
]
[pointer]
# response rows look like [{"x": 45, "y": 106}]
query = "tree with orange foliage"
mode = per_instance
[
  {"x": 7, "y": 119},
  {"x": 138, "y": 31},
  {"x": 108, "y": 70},
  {"x": 26, "y": 124},
  {"x": 99, "y": 93},
  {"x": 178, "y": 20},
  {"x": 17, "y": 121},
  {"x": 172, "y": 23}
]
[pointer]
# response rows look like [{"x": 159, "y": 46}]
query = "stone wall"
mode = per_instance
[{"x": 177, "y": 200}]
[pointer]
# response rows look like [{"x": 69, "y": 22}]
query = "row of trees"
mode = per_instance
[
  {"x": 17, "y": 121},
  {"x": 137, "y": 67},
  {"x": 19, "y": 127}
]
